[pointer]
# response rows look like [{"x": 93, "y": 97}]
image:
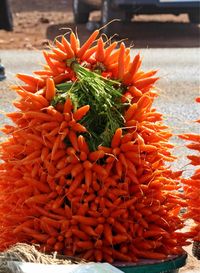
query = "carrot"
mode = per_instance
[
  {"x": 191, "y": 137},
  {"x": 77, "y": 169},
  {"x": 195, "y": 160},
  {"x": 77, "y": 127},
  {"x": 54, "y": 113},
  {"x": 121, "y": 62},
  {"x": 116, "y": 138},
  {"x": 96, "y": 155},
  {"x": 85, "y": 220},
  {"x": 68, "y": 48},
  {"x": 59, "y": 45},
  {"x": 68, "y": 106},
  {"x": 130, "y": 146},
  {"x": 118, "y": 239},
  {"x": 98, "y": 255},
  {"x": 37, "y": 115},
  {"x": 140, "y": 75},
  {"x": 27, "y": 88},
  {"x": 43, "y": 188},
  {"x": 130, "y": 112},
  {"x": 82, "y": 209},
  {"x": 193, "y": 146},
  {"x": 47, "y": 126},
  {"x": 75, "y": 183},
  {"x": 87, "y": 44},
  {"x": 99, "y": 170},
  {"x": 62, "y": 77},
  {"x": 31, "y": 80},
  {"x": 50, "y": 63},
  {"x": 55, "y": 146},
  {"x": 74, "y": 41},
  {"x": 50, "y": 89},
  {"x": 128, "y": 77},
  {"x": 80, "y": 234},
  {"x": 84, "y": 245},
  {"x": 73, "y": 139},
  {"x": 88, "y": 230},
  {"x": 152, "y": 255},
  {"x": 109, "y": 49},
  {"x": 89, "y": 53},
  {"x": 82, "y": 144},
  {"x": 34, "y": 97},
  {"x": 65, "y": 171},
  {"x": 81, "y": 112},
  {"x": 108, "y": 233},
  {"x": 119, "y": 168},
  {"x": 145, "y": 82},
  {"x": 100, "y": 52},
  {"x": 38, "y": 236},
  {"x": 120, "y": 256},
  {"x": 119, "y": 227}
]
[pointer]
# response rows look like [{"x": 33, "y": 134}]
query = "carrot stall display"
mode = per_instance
[
  {"x": 192, "y": 189},
  {"x": 83, "y": 168}
]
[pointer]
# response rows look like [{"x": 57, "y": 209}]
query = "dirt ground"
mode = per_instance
[{"x": 36, "y": 22}]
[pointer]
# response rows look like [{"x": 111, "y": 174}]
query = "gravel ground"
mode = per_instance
[{"x": 36, "y": 21}]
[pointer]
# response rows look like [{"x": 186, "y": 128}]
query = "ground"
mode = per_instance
[{"x": 37, "y": 21}]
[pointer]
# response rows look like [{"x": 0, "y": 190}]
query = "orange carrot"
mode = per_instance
[
  {"x": 130, "y": 112},
  {"x": 68, "y": 48},
  {"x": 73, "y": 139},
  {"x": 100, "y": 53},
  {"x": 81, "y": 112},
  {"x": 31, "y": 80},
  {"x": 133, "y": 69},
  {"x": 108, "y": 233},
  {"x": 96, "y": 155},
  {"x": 85, "y": 220},
  {"x": 52, "y": 66},
  {"x": 116, "y": 138},
  {"x": 145, "y": 82},
  {"x": 88, "y": 43},
  {"x": 50, "y": 89},
  {"x": 121, "y": 62},
  {"x": 74, "y": 41},
  {"x": 89, "y": 53}
]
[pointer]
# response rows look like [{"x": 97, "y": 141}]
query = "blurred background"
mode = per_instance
[{"x": 36, "y": 21}]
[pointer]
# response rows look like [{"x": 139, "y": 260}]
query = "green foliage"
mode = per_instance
[{"x": 104, "y": 97}]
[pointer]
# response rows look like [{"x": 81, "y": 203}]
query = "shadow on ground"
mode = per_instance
[{"x": 142, "y": 34}]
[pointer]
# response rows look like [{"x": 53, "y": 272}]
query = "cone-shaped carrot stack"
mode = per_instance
[
  {"x": 83, "y": 169},
  {"x": 192, "y": 184}
]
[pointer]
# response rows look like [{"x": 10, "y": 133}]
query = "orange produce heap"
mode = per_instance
[
  {"x": 83, "y": 170},
  {"x": 192, "y": 184}
]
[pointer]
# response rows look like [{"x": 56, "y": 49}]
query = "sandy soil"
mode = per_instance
[{"x": 36, "y": 22}]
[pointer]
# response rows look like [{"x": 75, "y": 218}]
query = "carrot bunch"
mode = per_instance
[
  {"x": 83, "y": 169},
  {"x": 192, "y": 184}
]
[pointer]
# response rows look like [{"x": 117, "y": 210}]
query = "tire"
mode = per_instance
[
  {"x": 108, "y": 13},
  {"x": 81, "y": 12},
  {"x": 6, "y": 19},
  {"x": 194, "y": 17}
]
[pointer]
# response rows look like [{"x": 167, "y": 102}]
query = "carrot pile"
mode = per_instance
[
  {"x": 192, "y": 184},
  {"x": 83, "y": 169}
]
